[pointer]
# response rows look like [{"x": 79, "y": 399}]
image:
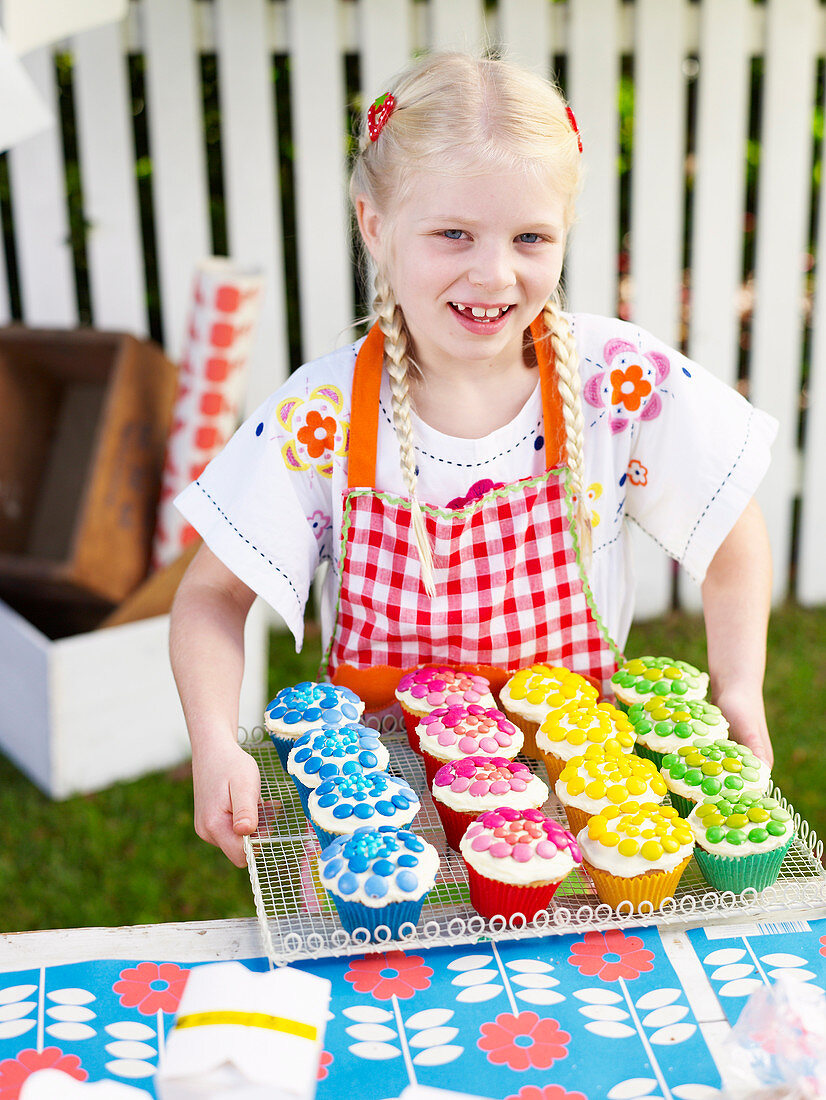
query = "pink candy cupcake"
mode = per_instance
[
  {"x": 432, "y": 686},
  {"x": 465, "y": 788},
  {"x": 515, "y": 861},
  {"x": 449, "y": 733}
]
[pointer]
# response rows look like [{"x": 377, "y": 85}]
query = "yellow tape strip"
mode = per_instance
[{"x": 249, "y": 1019}]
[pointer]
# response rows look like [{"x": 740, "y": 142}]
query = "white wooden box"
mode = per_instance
[{"x": 83, "y": 712}]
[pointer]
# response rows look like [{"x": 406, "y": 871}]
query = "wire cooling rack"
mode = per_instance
[{"x": 298, "y": 919}]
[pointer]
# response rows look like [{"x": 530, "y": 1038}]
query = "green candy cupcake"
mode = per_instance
[
  {"x": 645, "y": 677},
  {"x": 741, "y": 840},
  {"x": 695, "y": 773},
  {"x": 663, "y": 724}
]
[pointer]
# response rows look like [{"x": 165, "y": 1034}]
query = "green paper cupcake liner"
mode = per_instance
[
  {"x": 681, "y": 804},
  {"x": 739, "y": 873},
  {"x": 649, "y": 754}
]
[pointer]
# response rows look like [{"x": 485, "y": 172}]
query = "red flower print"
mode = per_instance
[
  {"x": 823, "y": 945},
  {"x": 629, "y": 387},
  {"x": 611, "y": 955},
  {"x": 389, "y": 973},
  {"x": 637, "y": 473},
  {"x": 547, "y": 1092},
  {"x": 475, "y": 492},
  {"x": 14, "y": 1071},
  {"x": 326, "y": 1060},
  {"x": 318, "y": 434},
  {"x": 151, "y": 987},
  {"x": 524, "y": 1041}
]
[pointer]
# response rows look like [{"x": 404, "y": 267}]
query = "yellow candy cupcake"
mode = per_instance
[
  {"x": 532, "y": 693},
  {"x": 591, "y": 783},
  {"x": 636, "y": 853},
  {"x": 569, "y": 730}
]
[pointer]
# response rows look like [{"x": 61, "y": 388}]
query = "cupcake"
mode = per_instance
[
  {"x": 307, "y": 706},
  {"x": 636, "y": 853},
  {"x": 567, "y": 732},
  {"x": 343, "y": 803},
  {"x": 378, "y": 877},
  {"x": 433, "y": 686},
  {"x": 465, "y": 788},
  {"x": 694, "y": 773},
  {"x": 663, "y": 724},
  {"x": 334, "y": 750},
  {"x": 741, "y": 840},
  {"x": 531, "y": 693},
  {"x": 590, "y": 783},
  {"x": 449, "y": 733},
  {"x": 642, "y": 677},
  {"x": 515, "y": 860}
]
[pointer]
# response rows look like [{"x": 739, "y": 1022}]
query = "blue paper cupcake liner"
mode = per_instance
[
  {"x": 739, "y": 873},
  {"x": 304, "y": 793},
  {"x": 324, "y": 838},
  {"x": 355, "y": 915},
  {"x": 282, "y": 747}
]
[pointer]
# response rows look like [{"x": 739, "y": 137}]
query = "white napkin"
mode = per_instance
[
  {"x": 54, "y": 1084},
  {"x": 242, "y": 1035}
]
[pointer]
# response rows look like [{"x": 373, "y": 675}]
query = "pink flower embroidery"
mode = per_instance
[
  {"x": 610, "y": 956},
  {"x": 151, "y": 987},
  {"x": 390, "y": 973},
  {"x": 546, "y": 1092},
  {"x": 319, "y": 523},
  {"x": 525, "y": 1041},
  {"x": 15, "y": 1071},
  {"x": 637, "y": 473},
  {"x": 628, "y": 389}
]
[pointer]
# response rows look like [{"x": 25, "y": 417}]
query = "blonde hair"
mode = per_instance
[{"x": 459, "y": 114}]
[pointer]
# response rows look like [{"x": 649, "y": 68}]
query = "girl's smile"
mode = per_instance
[{"x": 472, "y": 260}]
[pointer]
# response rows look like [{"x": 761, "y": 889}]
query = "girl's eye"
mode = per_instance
[
  {"x": 529, "y": 238},
  {"x": 453, "y": 234}
]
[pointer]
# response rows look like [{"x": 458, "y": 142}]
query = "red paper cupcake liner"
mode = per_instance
[
  {"x": 504, "y": 899},
  {"x": 454, "y": 822},
  {"x": 411, "y": 721}
]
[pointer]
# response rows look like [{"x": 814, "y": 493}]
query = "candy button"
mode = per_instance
[
  {"x": 499, "y": 849},
  {"x": 375, "y": 886},
  {"x": 348, "y": 883},
  {"x": 522, "y": 852},
  {"x": 332, "y": 868},
  {"x": 407, "y": 881},
  {"x": 362, "y": 810},
  {"x": 776, "y": 828}
]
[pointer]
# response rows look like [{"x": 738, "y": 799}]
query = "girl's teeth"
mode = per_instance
[{"x": 480, "y": 312}]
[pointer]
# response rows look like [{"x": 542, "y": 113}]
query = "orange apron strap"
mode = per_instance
[
  {"x": 364, "y": 412},
  {"x": 556, "y": 449}
]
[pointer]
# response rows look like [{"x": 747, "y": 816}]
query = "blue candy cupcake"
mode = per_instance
[
  {"x": 344, "y": 803},
  {"x": 333, "y": 750},
  {"x": 378, "y": 877},
  {"x": 308, "y": 706}
]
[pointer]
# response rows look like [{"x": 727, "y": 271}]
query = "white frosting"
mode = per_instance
[
  {"x": 518, "y": 874},
  {"x": 513, "y": 741},
  {"x": 672, "y": 743},
  {"x": 737, "y": 851},
  {"x": 323, "y": 815},
  {"x": 534, "y": 796},
  {"x": 630, "y": 695},
  {"x": 595, "y": 805},
  {"x": 695, "y": 794},
  {"x": 426, "y": 870},
  {"x": 608, "y": 859},
  {"x": 565, "y": 749}
]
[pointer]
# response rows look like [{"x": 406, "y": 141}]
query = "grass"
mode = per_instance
[{"x": 129, "y": 855}]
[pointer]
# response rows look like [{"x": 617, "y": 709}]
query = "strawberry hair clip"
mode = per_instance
[{"x": 378, "y": 114}]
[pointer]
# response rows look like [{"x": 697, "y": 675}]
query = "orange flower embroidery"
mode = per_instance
[
  {"x": 318, "y": 434},
  {"x": 629, "y": 387}
]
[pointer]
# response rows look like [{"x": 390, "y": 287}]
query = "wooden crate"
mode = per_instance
[{"x": 84, "y": 418}]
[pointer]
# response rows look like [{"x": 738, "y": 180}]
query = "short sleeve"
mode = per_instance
[
  {"x": 264, "y": 505},
  {"x": 698, "y": 449}
]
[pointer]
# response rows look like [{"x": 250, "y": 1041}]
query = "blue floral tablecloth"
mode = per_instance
[{"x": 579, "y": 1017}]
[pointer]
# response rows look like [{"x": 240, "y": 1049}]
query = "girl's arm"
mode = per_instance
[
  {"x": 736, "y": 606},
  {"x": 207, "y": 654}
]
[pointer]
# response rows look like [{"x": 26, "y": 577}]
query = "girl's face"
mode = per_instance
[{"x": 472, "y": 261}]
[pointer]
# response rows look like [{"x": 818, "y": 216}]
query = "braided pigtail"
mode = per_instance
[
  {"x": 570, "y": 390},
  {"x": 391, "y": 323}
]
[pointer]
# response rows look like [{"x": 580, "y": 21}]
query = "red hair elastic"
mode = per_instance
[
  {"x": 574, "y": 127},
  {"x": 378, "y": 114}
]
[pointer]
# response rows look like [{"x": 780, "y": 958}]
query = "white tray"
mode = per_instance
[{"x": 298, "y": 919}]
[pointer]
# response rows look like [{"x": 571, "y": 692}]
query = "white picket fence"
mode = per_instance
[{"x": 679, "y": 49}]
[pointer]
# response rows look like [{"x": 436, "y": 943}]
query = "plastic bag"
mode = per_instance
[{"x": 777, "y": 1048}]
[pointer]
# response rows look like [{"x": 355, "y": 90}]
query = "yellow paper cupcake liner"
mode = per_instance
[
  {"x": 529, "y": 730},
  {"x": 653, "y": 887},
  {"x": 577, "y": 818}
]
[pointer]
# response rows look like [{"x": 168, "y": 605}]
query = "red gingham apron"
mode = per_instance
[{"x": 509, "y": 592}]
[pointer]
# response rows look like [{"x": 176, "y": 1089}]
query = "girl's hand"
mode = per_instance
[
  {"x": 226, "y": 783},
  {"x": 746, "y": 717}
]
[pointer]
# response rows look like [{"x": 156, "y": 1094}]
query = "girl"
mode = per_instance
[{"x": 467, "y": 471}]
